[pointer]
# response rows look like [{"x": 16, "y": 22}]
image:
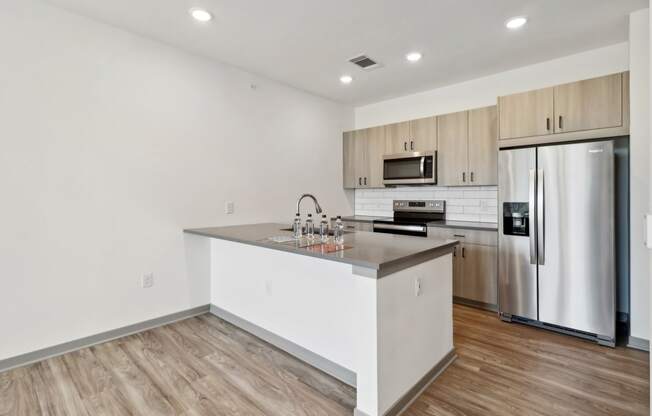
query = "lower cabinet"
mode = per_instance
[
  {"x": 478, "y": 274},
  {"x": 475, "y": 265}
]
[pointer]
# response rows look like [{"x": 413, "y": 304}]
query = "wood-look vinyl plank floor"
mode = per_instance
[{"x": 204, "y": 366}]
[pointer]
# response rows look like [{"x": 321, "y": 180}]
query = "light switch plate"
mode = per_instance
[
  {"x": 228, "y": 207},
  {"x": 648, "y": 231}
]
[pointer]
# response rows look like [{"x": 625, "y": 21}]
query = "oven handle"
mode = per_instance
[{"x": 414, "y": 228}]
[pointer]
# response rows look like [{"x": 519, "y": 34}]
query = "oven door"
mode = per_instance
[
  {"x": 418, "y": 230},
  {"x": 410, "y": 169}
]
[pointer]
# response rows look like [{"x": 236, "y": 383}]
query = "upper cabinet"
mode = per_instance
[
  {"x": 592, "y": 108},
  {"x": 423, "y": 132},
  {"x": 397, "y": 137},
  {"x": 363, "y": 153},
  {"x": 591, "y": 104},
  {"x": 411, "y": 136},
  {"x": 483, "y": 146},
  {"x": 452, "y": 156},
  {"x": 526, "y": 114},
  {"x": 350, "y": 160},
  {"x": 467, "y": 149},
  {"x": 375, "y": 149}
]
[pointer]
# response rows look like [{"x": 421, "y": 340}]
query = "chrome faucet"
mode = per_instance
[{"x": 317, "y": 207}]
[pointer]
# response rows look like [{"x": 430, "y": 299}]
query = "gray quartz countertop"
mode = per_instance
[
  {"x": 383, "y": 253},
  {"x": 363, "y": 218},
  {"x": 467, "y": 225}
]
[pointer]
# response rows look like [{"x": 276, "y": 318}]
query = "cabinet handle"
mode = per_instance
[
  {"x": 472, "y": 177},
  {"x": 360, "y": 181},
  {"x": 365, "y": 180},
  {"x": 463, "y": 252},
  {"x": 463, "y": 176},
  {"x": 548, "y": 123},
  {"x": 454, "y": 251},
  {"x": 459, "y": 236},
  {"x": 560, "y": 122},
  {"x": 411, "y": 145},
  {"x": 405, "y": 146}
]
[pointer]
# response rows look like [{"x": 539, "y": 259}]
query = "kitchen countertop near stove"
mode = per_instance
[
  {"x": 466, "y": 225},
  {"x": 363, "y": 218}
]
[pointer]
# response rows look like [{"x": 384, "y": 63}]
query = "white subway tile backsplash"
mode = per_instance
[{"x": 476, "y": 203}]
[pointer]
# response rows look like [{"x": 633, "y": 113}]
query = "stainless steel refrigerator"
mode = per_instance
[{"x": 556, "y": 238}]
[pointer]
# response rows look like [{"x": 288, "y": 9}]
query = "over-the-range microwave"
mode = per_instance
[{"x": 417, "y": 168}]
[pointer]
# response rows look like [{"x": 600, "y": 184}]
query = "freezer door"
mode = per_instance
[
  {"x": 517, "y": 270},
  {"x": 577, "y": 277}
]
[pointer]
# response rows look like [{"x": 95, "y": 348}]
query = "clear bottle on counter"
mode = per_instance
[
  {"x": 296, "y": 226},
  {"x": 310, "y": 227},
  {"x": 323, "y": 228},
  {"x": 338, "y": 233}
]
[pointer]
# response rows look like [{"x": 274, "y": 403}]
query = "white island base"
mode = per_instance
[{"x": 388, "y": 336}]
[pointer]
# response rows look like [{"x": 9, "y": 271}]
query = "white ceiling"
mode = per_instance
[{"x": 306, "y": 43}]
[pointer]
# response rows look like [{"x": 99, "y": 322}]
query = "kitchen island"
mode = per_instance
[{"x": 375, "y": 312}]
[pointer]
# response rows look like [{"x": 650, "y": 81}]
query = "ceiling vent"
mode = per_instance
[{"x": 364, "y": 62}]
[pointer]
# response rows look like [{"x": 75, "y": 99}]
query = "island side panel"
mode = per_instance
[
  {"x": 311, "y": 302},
  {"x": 415, "y": 327}
]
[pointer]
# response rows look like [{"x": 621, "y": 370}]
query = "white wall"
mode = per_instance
[
  {"x": 482, "y": 92},
  {"x": 639, "y": 143},
  {"x": 111, "y": 144}
]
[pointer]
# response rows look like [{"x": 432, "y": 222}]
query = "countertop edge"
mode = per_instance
[
  {"x": 381, "y": 270},
  {"x": 491, "y": 228},
  {"x": 286, "y": 249},
  {"x": 416, "y": 258}
]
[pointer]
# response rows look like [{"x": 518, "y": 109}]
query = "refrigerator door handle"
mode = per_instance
[
  {"x": 532, "y": 216},
  {"x": 541, "y": 215}
]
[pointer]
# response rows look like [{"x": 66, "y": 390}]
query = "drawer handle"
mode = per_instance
[{"x": 459, "y": 235}]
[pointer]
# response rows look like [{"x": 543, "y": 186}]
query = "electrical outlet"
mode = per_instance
[
  {"x": 484, "y": 206},
  {"x": 147, "y": 280},
  {"x": 417, "y": 287},
  {"x": 228, "y": 207}
]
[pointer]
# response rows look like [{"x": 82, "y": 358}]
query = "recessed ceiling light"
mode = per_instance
[
  {"x": 346, "y": 79},
  {"x": 413, "y": 56},
  {"x": 200, "y": 15},
  {"x": 516, "y": 22}
]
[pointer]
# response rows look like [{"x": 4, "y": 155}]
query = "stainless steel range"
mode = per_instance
[{"x": 412, "y": 217}]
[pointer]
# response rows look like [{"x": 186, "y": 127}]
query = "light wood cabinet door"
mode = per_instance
[
  {"x": 423, "y": 135},
  {"x": 397, "y": 138},
  {"x": 590, "y": 104},
  {"x": 349, "y": 154},
  {"x": 526, "y": 114},
  {"x": 360, "y": 138},
  {"x": 483, "y": 146},
  {"x": 457, "y": 271},
  {"x": 452, "y": 147},
  {"x": 375, "y": 149},
  {"x": 480, "y": 273}
]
